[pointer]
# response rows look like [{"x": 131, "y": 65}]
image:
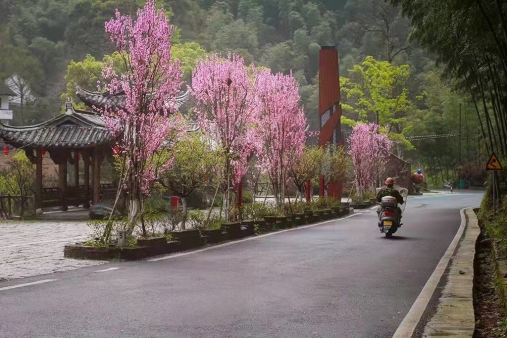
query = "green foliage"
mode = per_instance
[
  {"x": 87, "y": 74},
  {"x": 194, "y": 161},
  {"x": 188, "y": 54},
  {"x": 18, "y": 178},
  {"x": 366, "y": 196},
  {"x": 257, "y": 211},
  {"x": 174, "y": 218},
  {"x": 196, "y": 218},
  {"x": 378, "y": 86},
  {"x": 335, "y": 162},
  {"x": 309, "y": 167},
  {"x": 247, "y": 197}
]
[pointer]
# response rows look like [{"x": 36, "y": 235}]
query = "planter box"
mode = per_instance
[
  {"x": 319, "y": 214},
  {"x": 271, "y": 219},
  {"x": 159, "y": 242},
  {"x": 213, "y": 236},
  {"x": 188, "y": 238},
  {"x": 118, "y": 253},
  {"x": 291, "y": 220},
  {"x": 262, "y": 225},
  {"x": 361, "y": 205},
  {"x": 156, "y": 245},
  {"x": 281, "y": 222},
  {"x": 300, "y": 219},
  {"x": 335, "y": 210},
  {"x": 328, "y": 214},
  {"x": 249, "y": 226},
  {"x": 233, "y": 229}
]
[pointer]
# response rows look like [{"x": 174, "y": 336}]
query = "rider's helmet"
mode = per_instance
[{"x": 389, "y": 182}]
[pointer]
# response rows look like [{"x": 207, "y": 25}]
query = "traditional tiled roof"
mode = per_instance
[
  {"x": 100, "y": 100},
  {"x": 5, "y": 90},
  {"x": 74, "y": 129}
]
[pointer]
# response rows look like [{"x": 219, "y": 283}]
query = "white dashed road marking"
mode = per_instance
[
  {"x": 107, "y": 269},
  {"x": 27, "y": 284}
]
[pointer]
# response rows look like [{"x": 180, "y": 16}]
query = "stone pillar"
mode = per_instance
[
  {"x": 96, "y": 175},
  {"x": 38, "y": 178},
  {"x": 86, "y": 174},
  {"x": 76, "y": 168}
]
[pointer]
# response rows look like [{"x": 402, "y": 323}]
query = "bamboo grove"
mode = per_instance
[{"x": 469, "y": 37}]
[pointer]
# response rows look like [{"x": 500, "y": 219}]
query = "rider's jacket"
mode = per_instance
[{"x": 389, "y": 192}]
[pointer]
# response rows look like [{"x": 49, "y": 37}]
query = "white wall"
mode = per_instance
[{"x": 5, "y": 102}]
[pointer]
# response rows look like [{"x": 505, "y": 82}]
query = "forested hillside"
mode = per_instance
[{"x": 39, "y": 39}]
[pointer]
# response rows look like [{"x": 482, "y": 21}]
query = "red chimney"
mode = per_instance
[{"x": 330, "y": 110}]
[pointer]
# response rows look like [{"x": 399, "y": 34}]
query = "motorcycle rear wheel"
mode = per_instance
[{"x": 389, "y": 235}]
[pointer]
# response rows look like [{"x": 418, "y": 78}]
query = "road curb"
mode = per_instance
[
  {"x": 501, "y": 275},
  {"x": 457, "y": 295},
  {"x": 455, "y": 315}
]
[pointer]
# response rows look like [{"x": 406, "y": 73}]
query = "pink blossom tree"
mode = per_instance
[
  {"x": 226, "y": 110},
  {"x": 281, "y": 128},
  {"x": 150, "y": 82},
  {"x": 369, "y": 149}
]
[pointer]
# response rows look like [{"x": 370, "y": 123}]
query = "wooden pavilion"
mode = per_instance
[{"x": 70, "y": 138}]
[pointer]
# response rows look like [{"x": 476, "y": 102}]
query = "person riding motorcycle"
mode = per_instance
[{"x": 390, "y": 191}]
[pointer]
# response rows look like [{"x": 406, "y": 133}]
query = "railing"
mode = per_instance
[{"x": 12, "y": 206}]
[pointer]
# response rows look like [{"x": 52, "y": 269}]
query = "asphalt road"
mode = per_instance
[{"x": 339, "y": 279}]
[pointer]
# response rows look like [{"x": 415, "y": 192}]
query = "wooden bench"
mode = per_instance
[
  {"x": 51, "y": 197},
  {"x": 75, "y": 196},
  {"x": 108, "y": 192}
]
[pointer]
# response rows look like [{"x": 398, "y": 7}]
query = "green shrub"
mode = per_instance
[
  {"x": 196, "y": 218},
  {"x": 218, "y": 201},
  {"x": 174, "y": 218},
  {"x": 257, "y": 211},
  {"x": 247, "y": 197}
]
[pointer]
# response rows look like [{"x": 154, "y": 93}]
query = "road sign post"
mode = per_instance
[{"x": 494, "y": 165}]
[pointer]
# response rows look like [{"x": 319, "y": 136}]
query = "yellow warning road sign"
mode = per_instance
[{"x": 494, "y": 164}]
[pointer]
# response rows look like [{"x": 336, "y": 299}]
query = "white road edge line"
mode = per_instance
[
  {"x": 27, "y": 284},
  {"x": 107, "y": 269},
  {"x": 414, "y": 315},
  {"x": 250, "y": 239}
]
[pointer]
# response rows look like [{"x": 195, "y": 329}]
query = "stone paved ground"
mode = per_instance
[{"x": 30, "y": 248}]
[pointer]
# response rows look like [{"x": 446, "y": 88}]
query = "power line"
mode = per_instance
[{"x": 431, "y": 136}]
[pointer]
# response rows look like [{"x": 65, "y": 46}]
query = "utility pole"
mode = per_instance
[
  {"x": 459, "y": 134},
  {"x": 466, "y": 133},
  {"x": 378, "y": 173}
]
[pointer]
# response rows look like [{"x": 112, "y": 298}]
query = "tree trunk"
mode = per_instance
[
  {"x": 134, "y": 212},
  {"x": 184, "y": 214}
]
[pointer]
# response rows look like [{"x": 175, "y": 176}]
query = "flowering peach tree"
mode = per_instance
[
  {"x": 281, "y": 128},
  {"x": 226, "y": 110},
  {"x": 369, "y": 150},
  {"x": 150, "y": 81}
]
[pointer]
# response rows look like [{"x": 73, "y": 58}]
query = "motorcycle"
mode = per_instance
[
  {"x": 389, "y": 218},
  {"x": 389, "y": 214}
]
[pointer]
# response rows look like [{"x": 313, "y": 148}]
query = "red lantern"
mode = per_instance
[
  {"x": 78, "y": 157},
  {"x": 116, "y": 150},
  {"x": 43, "y": 152},
  {"x": 6, "y": 150}
]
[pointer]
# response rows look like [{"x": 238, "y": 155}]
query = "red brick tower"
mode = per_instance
[{"x": 330, "y": 110}]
